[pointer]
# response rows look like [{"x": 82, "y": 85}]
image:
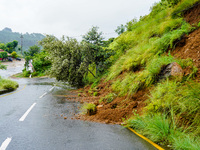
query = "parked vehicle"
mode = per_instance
[
  {"x": 10, "y": 59},
  {"x": 18, "y": 59}
]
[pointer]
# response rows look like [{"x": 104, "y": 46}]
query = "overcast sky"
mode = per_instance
[{"x": 69, "y": 17}]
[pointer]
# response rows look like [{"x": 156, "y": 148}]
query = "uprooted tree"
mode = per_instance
[
  {"x": 67, "y": 59},
  {"x": 71, "y": 60}
]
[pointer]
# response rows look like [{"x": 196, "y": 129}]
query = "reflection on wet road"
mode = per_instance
[{"x": 44, "y": 127}]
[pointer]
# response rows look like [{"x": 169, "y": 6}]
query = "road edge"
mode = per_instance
[
  {"x": 146, "y": 139},
  {"x": 1, "y": 95},
  {"x": 4, "y": 91}
]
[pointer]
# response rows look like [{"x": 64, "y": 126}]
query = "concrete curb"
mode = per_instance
[{"x": 152, "y": 143}]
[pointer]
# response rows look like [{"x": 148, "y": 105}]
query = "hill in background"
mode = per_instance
[{"x": 7, "y": 35}]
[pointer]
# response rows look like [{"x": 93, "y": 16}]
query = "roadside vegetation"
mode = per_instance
[
  {"x": 78, "y": 63},
  {"x": 10, "y": 49},
  {"x": 6, "y": 84},
  {"x": 40, "y": 63}
]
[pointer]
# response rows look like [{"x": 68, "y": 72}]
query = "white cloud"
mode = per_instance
[{"x": 69, "y": 17}]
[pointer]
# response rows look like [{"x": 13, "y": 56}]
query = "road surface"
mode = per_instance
[{"x": 32, "y": 118}]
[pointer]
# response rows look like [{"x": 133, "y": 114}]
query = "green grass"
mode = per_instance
[
  {"x": 88, "y": 108},
  {"x": 171, "y": 116},
  {"x": 199, "y": 24},
  {"x": 163, "y": 130},
  {"x": 8, "y": 84},
  {"x": 108, "y": 98}
]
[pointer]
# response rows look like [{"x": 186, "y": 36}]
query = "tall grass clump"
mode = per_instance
[
  {"x": 163, "y": 130},
  {"x": 88, "y": 108},
  {"x": 182, "y": 98},
  {"x": 172, "y": 115},
  {"x": 184, "y": 5},
  {"x": 137, "y": 56},
  {"x": 8, "y": 84}
]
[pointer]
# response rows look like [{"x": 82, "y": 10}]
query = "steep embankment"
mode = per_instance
[
  {"x": 189, "y": 45},
  {"x": 154, "y": 78},
  {"x": 114, "y": 107}
]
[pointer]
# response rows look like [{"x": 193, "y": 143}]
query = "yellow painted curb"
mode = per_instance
[
  {"x": 13, "y": 92},
  {"x": 152, "y": 143}
]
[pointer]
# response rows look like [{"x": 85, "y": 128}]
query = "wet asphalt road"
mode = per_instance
[{"x": 45, "y": 129}]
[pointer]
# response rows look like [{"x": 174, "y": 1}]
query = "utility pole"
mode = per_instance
[{"x": 21, "y": 42}]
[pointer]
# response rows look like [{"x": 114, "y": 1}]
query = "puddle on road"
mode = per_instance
[{"x": 67, "y": 105}]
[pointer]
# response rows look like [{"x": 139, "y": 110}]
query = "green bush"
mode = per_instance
[
  {"x": 183, "y": 99},
  {"x": 8, "y": 84},
  {"x": 34, "y": 74},
  {"x": 164, "y": 130},
  {"x": 14, "y": 54},
  {"x": 88, "y": 108},
  {"x": 185, "y": 4},
  {"x": 26, "y": 73},
  {"x": 108, "y": 98}
]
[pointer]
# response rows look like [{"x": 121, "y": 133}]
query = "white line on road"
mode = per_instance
[
  {"x": 5, "y": 144},
  {"x": 27, "y": 112},
  {"x": 46, "y": 92},
  {"x": 51, "y": 88},
  {"x": 43, "y": 95}
]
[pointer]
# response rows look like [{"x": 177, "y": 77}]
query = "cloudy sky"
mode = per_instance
[{"x": 70, "y": 17}]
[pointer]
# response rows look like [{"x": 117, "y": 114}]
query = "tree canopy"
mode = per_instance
[
  {"x": 67, "y": 62},
  {"x": 32, "y": 50}
]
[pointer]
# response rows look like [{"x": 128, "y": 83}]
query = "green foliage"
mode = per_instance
[
  {"x": 8, "y": 84},
  {"x": 67, "y": 61},
  {"x": 199, "y": 24},
  {"x": 75, "y": 62},
  {"x": 131, "y": 24},
  {"x": 88, "y": 108},
  {"x": 108, "y": 42},
  {"x": 14, "y": 54},
  {"x": 184, "y": 100},
  {"x": 185, "y": 4},
  {"x": 184, "y": 141},
  {"x": 171, "y": 116},
  {"x": 32, "y": 50},
  {"x": 41, "y": 64},
  {"x": 137, "y": 56},
  {"x": 3, "y": 46},
  {"x": 3, "y": 67},
  {"x": 34, "y": 74},
  {"x": 4, "y": 55},
  {"x": 163, "y": 130},
  {"x": 93, "y": 36},
  {"x": 95, "y": 93},
  {"x": 10, "y": 46},
  {"x": 95, "y": 52},
  {"x": 120, "y": 29},
  {"x": 26, "y": 73},
  {"x": 156, "y": 64},
  {"x": 108, "y": 98}
]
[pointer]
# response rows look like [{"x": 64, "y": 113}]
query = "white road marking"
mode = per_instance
[
  {"x": 27, "y": 112},
  {"x": 46, "y": 92},
  {"x": 51, "y": 88},
  {"x": 5, "y": 144},
  {"x": 43, "y": 95}
]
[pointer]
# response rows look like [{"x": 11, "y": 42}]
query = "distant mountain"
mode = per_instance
[{"x": 6, "y": 35}]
